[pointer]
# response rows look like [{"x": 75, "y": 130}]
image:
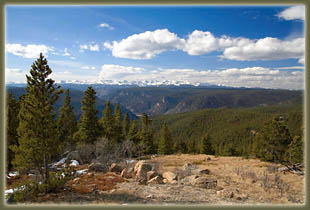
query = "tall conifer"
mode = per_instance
[
  {"x": 37, "y": 128},
  {"x": 107, "y": 121},
  {"x": 88, "y": 128},
  {"x": 165, "y": 141},
  {"x": 66, "y": 122},
  {"x": 126, "y": 124}
]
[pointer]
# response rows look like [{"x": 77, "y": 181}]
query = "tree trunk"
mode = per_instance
[{"x": 46, "y": 168}]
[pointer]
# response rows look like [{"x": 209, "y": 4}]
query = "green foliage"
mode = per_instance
[
  {"x": 37, "y": 129},
  {"x": 126, "y": 124},
  {"x": 165, "y": 141},
  {"x": 296, "y": 151},
  {"x": 273, "y": 141},
  {"x": 66, "y": 123},
  {"x": 146, "y": 135},
  {"x": 12, "y": 122},
  {"x": 133, "y": 134},
  {"x": 88, "y": 127},
  {"x": 107, "y": 121},
  {"x": 118, "y": 129},
  {"x": 29, "y": 190},
  {"x": 205, "y": 145}
]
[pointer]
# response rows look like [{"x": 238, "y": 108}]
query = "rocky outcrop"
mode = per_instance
[
  {"x": 170, "y": 176},
  {"x": 117, "y": 167}
]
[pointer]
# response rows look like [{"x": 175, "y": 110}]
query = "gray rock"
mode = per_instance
[{"x": 98, "y": 167}]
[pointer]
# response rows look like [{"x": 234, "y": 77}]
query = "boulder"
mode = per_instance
[
  {"x": 190, "y": 180},
  {"x": 170, "y": 176},
  {"x": 141, "y": 170},
  {"x": 151, "y": 174},
  {"x": 98, "y": 167},
  {"x": 205, "y": 182},
  {"x": 225, "y": 193},
  {"x": 200, "y": 171},
  {"x": 117, "y": 167},
  {"x": 126, "y": 173},
  {"x": 74, "y": 155},
  {"x": 187, "y": 166},
  {"x": 156, "y": 180}
]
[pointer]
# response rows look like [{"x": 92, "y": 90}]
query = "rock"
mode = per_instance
[
  {"x": 156, "y": 180},
  {"x": 126, "y": 173},
  {"x": 225, "y": 194},
  {"x": 170, "y": 176},
  {"x": 187, "y": 166},
  {"x": 204, "y": 171},
  {"x": 190, "y": 180},
  {"x": 206, "y": 182},
  {"x": 74, "y": 163},
  {"x": 142, "y": 169},
  {"x": 98, "y": 167},
  {"x": 151, "y": 174},
  {"x": 165, "y": 181},
  {"x": 117, "y": 168},
  {"x": 74, "y": 155},
  {"x": 201, "y": 171}
]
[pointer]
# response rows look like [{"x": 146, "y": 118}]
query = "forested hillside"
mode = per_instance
[
  {"x": 170, "y": 100},
  {"x": 230, "y": 130}
]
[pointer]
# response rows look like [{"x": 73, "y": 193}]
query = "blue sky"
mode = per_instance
[{"x": 247, "y": 46}]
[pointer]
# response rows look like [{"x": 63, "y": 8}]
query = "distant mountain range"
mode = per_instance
[{"x": 171, "y": 99}]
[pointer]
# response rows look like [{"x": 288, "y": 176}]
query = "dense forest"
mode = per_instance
[{"x": 37, "y": 136}]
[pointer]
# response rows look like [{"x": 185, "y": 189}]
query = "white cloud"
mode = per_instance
[
  {"x": 90, "y": 47},
  {"x": 293, "y": 13},
  {"x": 301, "y": 60},
  {"x": 88, "y": 67},
  {"x": 73, "y": 58},
  {"x": 106, "y": 25},
  {"x": 66, "y": 52},
  {"x": 146, "y": 45},
  {"x": 28, "y": 51},
  {"x": 266, "y": 49},
  {"x": 13, "y": 70},
  {"x": 151, "y": 43},
  {"x": 111, "y": 71},
  {"x": 235, "y": 77}
]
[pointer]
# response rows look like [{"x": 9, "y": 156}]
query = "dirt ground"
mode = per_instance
[{"x": 239, "y": 181}]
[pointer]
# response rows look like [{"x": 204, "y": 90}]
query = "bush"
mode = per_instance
[{"x": 30, "y": 189}]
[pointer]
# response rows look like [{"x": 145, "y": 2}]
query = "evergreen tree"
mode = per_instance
[
  {"x": 126, "y": 124},
  {"x": 88, "y": 127},
  {"x": 146, "y": 135},
  {"x": 118, "y": 129},
  {"x": 274, "y": 140},
  {"x": 133, "y": 134},
  {"x": 66, "y": 122},
  {"x": 12, "y": 122},
  {"x": 165, "y": 141},
  {"x": 37, "y": 128},
  {"x": 205, "y": 145},
  {"x": 107, "y": 122},
  {"x": 296, "y": 151}
]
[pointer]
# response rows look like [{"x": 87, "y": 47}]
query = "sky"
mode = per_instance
[{"x": 238, "y": 46}]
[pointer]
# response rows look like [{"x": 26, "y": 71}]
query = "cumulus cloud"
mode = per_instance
[
  {"x": 293, "y": 13},
  {"x": 89, "y": 47},
  {"x": 266, "y": 49},
  {"x": 235, "y": 77},
  {"x": 106, "y": 25},
  {"x": 28, "y": 51},
  {"x": 146, "y": 45},
  {"x": 151, "y": 43}
]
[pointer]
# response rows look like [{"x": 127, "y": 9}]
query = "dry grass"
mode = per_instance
[{"x": 258, "y": 180}]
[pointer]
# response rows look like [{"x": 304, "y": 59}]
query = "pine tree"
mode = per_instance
[
  {"x": 107, "y": 122},
  {"x": 66, "y": 122},
  {"x": 165, "y": 141},
  {"x": 88, "y": 127},
  {"x": 37, "y": 130},
  {"x": 205, "y": 145},
  {"x": 296, "y": 151},
  {"x": 12, "y": 122},
  {"x": 274, "y": 140},
  {"x": 146, "y": 135},
  {"x": 133, "y": 134},
  {"x": 126, "y": 124},
  {"x": 117, "y": 128}
]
